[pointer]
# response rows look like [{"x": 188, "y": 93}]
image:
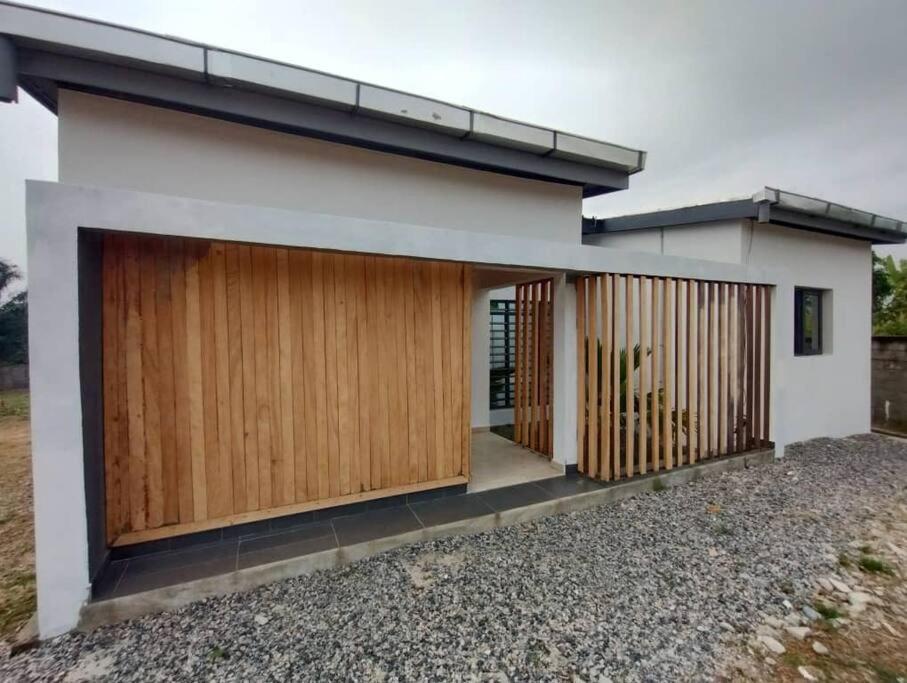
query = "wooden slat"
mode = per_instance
[
  {"x": 644, "y": 372},
  {"x": 365, "y": 349},
  {"x": 766, "y": 412},
  {"x": 249, "y": 377},
  {"x": 466, "y": 353},
  {"x": 757, "y": 366},
  {"x": 606, "y": 389},
  {"x": 519, "y": 356},
  {"x": 182, "y": 422},
  {"x": 722, "y": 368},
  {"x": 656, "y": 374},
  {"x": 669, "y": 360},
  {"x": 630, "y": 398},
  {"x": 581, "y": 373},
  {"x": 166, "y": 391},
  {"x": 692, "y": 371},
  {"x": 703, "y": 367},
  {"x": 114, "y": 470},
  {"x": 195, "y": 379},
  {"x": 295, "y": 272},
  {"x": 616, "y": 460},
  {"x": 235, "y": 371},
  {"x": 592, "y": 375},
  {"x": 346, "y": 436}
]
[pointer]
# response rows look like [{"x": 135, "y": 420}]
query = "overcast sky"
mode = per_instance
[{"x": 726, "y": 96}]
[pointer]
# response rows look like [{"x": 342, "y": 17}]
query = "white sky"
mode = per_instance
[{"x": 726, "y": 96}]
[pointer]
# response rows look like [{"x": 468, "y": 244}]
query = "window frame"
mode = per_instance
[{"x": 799, "y": 347}]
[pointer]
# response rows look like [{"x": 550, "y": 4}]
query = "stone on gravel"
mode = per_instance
[
  {"x": 624, "y": 591},
  {"x": 825, "y": 584},
  {"x": 798, "y": 632},
  {"x": 803, "y": 671},
  {"x": 839, "y": 586},
  {"x": 810, "y": 613},
  {"x": 772, "y": 645},
  {"x": 819, "y": 648}
]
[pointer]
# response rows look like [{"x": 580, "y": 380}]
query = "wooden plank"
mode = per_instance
[
  {"x": 182, "y": 424},
  {"x": 331, "y": 404},
  {"x": 703, "y": 388},
  {"x": 692, "y": 371},
  {"x": 722, "y": 368},
  {"x": 425, "y": 411},
  {"x": 195, "y": 378},
  {"x": 138, "y": 475},
  {"x": 668, "y": 367},
  {"x": 615, "y": 378},
  {"x": 536, "y": 328},
  {"x": 262, "y": 373},
  {"x": 527, "y": 365},
  {"x": 466, "y": 351},
  {"x": 296, "y": 285},
  {"x": 644, "y": 347},
  {"x": 750, "y": 364},
  {"x": 114, "y": 466},
  {"x": 438, "y": 369},
  {"x": 284, "y": 483},
  {"x": 235, "y": 370},
  {"x": 455, "y": 316},
  {"x": 592, "y": 375},
  {"x": 447, "y": 375},
  {"x": 249, "y": 377},
  {"x": 313, "y": 369},
  {"x": 741, "y": 368},
  {"x": 353, "y": 267},
  {"x": 220, "y": 466},
  {"x": 414, "y": 446},
  {"x": 606, "y": 389},
  {"x": 151, "y": 383},
  {"x": 630, "y": 423},
  {"x": 543, "y": 366},
  {"x": 365, "y": 350},
  {"x": 550, "y": 449},
  {"x": 274, "y": 513},
  {"x": 519, "y": 353},
  {"x": 657, "y": 292},
  {"x": 581, "y": 381},
  {"x": 345, "y": 418},
  {"x": 766, "y": 413},
  {"x": 757, "y": 366},
  {"x": 166, "y": 391}
]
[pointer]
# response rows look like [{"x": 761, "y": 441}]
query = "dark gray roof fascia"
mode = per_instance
[{"x": 766, "y": 206}]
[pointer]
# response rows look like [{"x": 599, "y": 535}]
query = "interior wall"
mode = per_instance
[{"x": 113, "y": 143}]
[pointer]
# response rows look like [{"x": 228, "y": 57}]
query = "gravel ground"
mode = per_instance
[{"x": 654, "y": 588}]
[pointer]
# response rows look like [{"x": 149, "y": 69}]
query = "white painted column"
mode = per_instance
[
  {"x": 781, "y": 356},
  {"x": 61, "y": 534},
  {"x": 481, "y": 361},
  {"x": 564, "y": 371}
]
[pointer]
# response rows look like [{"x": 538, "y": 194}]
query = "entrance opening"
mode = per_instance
[{"x": 513, "y": 376}]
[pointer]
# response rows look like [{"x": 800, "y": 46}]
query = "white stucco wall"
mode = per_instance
[
  {"x": 718, "y": 241},
  {"x": 826, "y": 395},
  {"x": 111, "y": 143}
]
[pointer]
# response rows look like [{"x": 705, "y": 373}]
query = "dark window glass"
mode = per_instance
[{"x": 807, "y": 321}]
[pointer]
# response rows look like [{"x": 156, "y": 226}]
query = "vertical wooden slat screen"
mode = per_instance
[
  {"x": 534, "y": 375},
  {"x": 671, "y": 371},
  {"x": 245, "y": 382}
]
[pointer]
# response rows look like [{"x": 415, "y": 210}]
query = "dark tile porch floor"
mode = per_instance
[{"x": 224, "y": 554}]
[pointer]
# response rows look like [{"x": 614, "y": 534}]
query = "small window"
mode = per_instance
[{"x": 807, "y": 321}]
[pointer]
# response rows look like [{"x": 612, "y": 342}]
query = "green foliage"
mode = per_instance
[
  {"x": 889, "y": 296},
  {"x": 14, "y": 403},
  {"x": 827, "y": 611},
  {"x": 13, "y": 318},
  {"x": 874, "y": 565}
]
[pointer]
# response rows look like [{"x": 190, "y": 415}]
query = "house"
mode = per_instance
[{"x": 259, "y": 292}]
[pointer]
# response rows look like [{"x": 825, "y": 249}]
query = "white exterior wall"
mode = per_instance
[
  {"x": 826, "y": 395},
  {"x": 111, "y": 143},
  {"x": 829, "y": 394},
  {"x": 718, "y": 241}
]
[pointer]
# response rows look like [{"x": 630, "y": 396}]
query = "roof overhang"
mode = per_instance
[
  {"x": 44, "y": 51},
  {"x": 769, "y": 205}
]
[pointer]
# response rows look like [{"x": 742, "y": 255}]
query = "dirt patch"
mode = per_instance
[
  {"x": 17, "y": 551},
  {"x": 861, "y": 634},
  {"x": 429, "y": 567}
]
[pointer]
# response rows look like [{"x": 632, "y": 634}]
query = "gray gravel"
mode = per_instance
[{"x": 653, "y": 588}]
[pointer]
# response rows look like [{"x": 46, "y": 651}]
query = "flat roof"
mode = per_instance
[
  {"x": 56, "y": 50},
  {"x": 769, "y": 205}
]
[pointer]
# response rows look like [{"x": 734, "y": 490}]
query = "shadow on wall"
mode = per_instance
[
  {"x": 889, "y": 384},
  {"x": 13, "y": 377}
]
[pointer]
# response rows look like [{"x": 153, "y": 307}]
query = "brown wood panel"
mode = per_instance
[
  {"x": 244, "y": 382},
  {"x": 533, "y": 382},
  {"x": 701, "y": 347}
]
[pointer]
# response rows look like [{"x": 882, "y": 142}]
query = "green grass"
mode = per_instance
[
  {"x": 844, "y": 561},
  {"x": 218, "y": 653},
  {"x": 658, "y": 485},
  {"x": 17, "y": 600},
  {"x": 14, "y": 403},
  {"x": 874, "y": 565},
  {"x": 827, "y": 611}
]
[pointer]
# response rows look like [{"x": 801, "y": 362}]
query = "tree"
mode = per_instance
[
  {"x": 890, "y": 318},
  {"x": 13, "y": 317}
]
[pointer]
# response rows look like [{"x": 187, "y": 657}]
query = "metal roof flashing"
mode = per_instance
[
  {"x": 769, "y": 205},
  {"x": 56, "y": 49}
]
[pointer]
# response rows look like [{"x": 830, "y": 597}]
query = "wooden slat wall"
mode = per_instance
[
  {"x": 699, "y": 356},
  {"x": 245, "y": 382},
  {"x": 534, "y": 376}
]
